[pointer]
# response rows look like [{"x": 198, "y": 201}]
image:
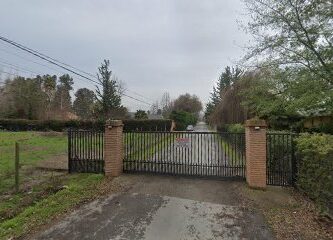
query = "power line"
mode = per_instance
[
  {"x": 59, "y": 64},
  {"x": 29, "y": 60},
  {"x": 121, "y": 93},
  {"x": 26, "y": 70},
  {"x": 41, "y": 56},
  {"x": 37, "y": 63},
  {"x": 135, "y": 99},
  {"x": 18, "y": 68},
  {"x": 138, "y": 94},
  {"x": 9, "y": 73},
  {"x": 4, "y": 63}
]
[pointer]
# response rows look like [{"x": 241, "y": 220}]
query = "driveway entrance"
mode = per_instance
[{"x": 162, "y": 207}]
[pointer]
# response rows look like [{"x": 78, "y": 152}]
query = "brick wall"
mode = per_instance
[{"x": 113, "y": 148}]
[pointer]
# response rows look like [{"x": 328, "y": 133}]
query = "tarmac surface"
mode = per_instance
[{"x": 164, "y": 207}]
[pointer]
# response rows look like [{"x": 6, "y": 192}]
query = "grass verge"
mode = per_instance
[{"x": 79, "y": 188}]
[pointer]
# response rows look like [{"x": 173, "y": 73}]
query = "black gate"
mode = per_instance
[
  {"x": 281, "y": 159},
  {"x": 185, "y": 153},
  {"x": 86, "y": 151}
]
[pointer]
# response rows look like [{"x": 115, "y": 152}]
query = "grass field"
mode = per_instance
[
  {"x": 43, "y": 195},
  {"x": 34, "y": 147}
]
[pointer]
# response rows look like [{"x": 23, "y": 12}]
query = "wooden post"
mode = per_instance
[{"x": 17, "y": 165}]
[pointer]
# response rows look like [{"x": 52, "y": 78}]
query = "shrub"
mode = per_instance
[
  {"x": 58, "y": 125},
  {"x": 183, "y": 119},
  {"x": 235, "y": 128},
  {"x": 323, "y": 128},
  {"x": 315, "y": 173},
  {"x": 148, "y": 125}
]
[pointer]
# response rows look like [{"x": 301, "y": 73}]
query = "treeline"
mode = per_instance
[
  {"x": 184, "y": 110},
  {"x": 49, "y": 98},
  {"x": 287, "y": 73}
]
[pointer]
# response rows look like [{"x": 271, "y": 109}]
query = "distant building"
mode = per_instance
[{"x": 317, "y": 120}]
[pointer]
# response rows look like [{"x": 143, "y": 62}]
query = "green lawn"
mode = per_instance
[{"x": 34, "y": 147}]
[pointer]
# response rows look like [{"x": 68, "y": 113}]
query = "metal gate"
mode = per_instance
[
  {"x": 210, "y": 154},
  {"x": 86, "y": 151},
  {"x": 281, "y": 159}
]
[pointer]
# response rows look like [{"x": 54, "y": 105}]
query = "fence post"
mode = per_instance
[
  {"x": 113, "y": 148},
  {"x": 255, "y": 140},
  {"x": 69, "y": 150},
  {"x": 17, "y": 165},
  {"x": 293, "y": 161}
]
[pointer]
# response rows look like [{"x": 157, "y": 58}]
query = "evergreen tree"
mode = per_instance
[
  {"x": 49, "y": 84},
  {"x": 227, "y": 78},
  {"x": 209, "y": 110},
  {"x": 141, "y": 114},
  {"x": 108, "y": 97}
]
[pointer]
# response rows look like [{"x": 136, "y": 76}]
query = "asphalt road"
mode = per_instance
[
  {"x": 164, "y": 208},
  {"x": 202, "y": 127}
]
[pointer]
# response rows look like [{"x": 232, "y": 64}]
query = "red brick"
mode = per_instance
[
  {"x": 255, "y": 140},
  {"x": 113, "y": 148}
]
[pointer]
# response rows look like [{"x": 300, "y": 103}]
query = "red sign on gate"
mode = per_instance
[{"x": 183, "y": 142}]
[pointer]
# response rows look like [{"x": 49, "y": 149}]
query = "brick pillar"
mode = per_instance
[
  {"x": 113, "y": 148},
  {"x": 255, "y": 138}
]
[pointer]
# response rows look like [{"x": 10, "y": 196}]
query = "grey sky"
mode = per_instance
[{"x": 154, "y": 45}]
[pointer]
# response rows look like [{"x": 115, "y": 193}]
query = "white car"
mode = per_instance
[{"x": 190, "y": 128}]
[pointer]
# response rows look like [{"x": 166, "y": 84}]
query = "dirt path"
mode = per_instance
[{"x": 156, "y": 207}]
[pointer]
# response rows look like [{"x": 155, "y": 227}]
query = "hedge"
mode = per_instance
[
  {"x": 315, "y": 169},
  {"x": 183, "y": 119},
  {"x": 235, "y": 128},
  {"x": 148, "y": 125},
  {"x": 59, "y": 125}
]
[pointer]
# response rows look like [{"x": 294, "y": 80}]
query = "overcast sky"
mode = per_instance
[{"x": 154, "y": 46}]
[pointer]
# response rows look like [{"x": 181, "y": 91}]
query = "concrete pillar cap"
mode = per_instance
[
  {"x": 256, "y": 122},
  {"x": 114, "y": 123}
]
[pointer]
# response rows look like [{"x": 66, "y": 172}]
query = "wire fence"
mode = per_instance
[{"x": 29, "y": 158}]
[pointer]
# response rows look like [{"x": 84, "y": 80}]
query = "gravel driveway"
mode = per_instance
[{"x": 161, "y": 207}]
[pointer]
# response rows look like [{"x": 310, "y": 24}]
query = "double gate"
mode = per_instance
[{"x": 208, "y": 154}]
